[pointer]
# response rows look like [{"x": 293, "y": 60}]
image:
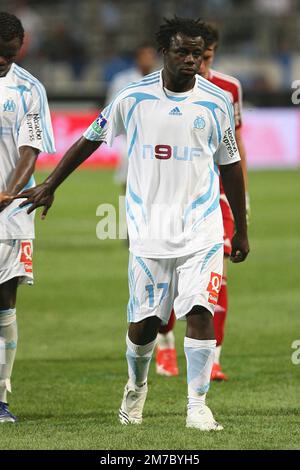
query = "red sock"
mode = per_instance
[
  {"x": 221, "y": 313},
  {"x": 166, "y": 328}
]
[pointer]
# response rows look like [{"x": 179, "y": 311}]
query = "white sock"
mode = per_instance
[
  {"x": 217, "y": 354},
  {"x": 166, "y": 341},
  {"x": 200, "y": 357},
  {"x": 138, "y": 359},
  {"x": 9, "y": 335}
]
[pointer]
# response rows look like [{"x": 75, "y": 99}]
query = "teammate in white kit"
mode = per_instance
[
  {"x": 25, "y": 130},
  {"x": 179, "y": 128}
]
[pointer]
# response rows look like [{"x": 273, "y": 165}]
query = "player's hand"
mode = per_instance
[
  {"x": 5, "y": 200},
  {"x": 240, "y": 248},
  {"x": 39, "y": 196}
]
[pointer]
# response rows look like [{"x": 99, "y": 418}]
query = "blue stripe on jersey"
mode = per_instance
[
  {"x": 5, "y": 130},
  {"x": 151, "y": 75},
  {"x": 223, "y": 95},
  {"x": 210, "y": 254},
  {"x": 130, "y": 213},
  {"x": 22, "y": 89},
  {"x": 23, "y": 74},
  {"x": 16, "y": 210},
  {"x": 30, "y": 183},
  {"x": 210, "y": 143},
  {"x": 139, "y": 97},
  {"x": 145, "y": 268},
  {"x": 212, "y": 107},
  {"x": 211, "y": 209},
  {"x": 106, "y": 112},
  {"x": 209, "y": 88},
  {"x": 202, "y": 199},
  {"x": 137, "y": 200},
  {"x": 132, "y": 142}
]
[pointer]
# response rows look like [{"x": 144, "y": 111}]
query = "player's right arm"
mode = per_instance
[
  {"x": 101, "y": 130},
  {"x": 43, "y": 194}
]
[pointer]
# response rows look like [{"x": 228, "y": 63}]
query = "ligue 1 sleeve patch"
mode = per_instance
[
  {"x": 26, "y": 256},
  {"x": 214, "y": 287},
  {"x": 99, "y": 124}
]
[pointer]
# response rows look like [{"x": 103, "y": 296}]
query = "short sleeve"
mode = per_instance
[
  {"x": 227, "y": 151},
  {"x": 108, "y": 125},
  {"x": 35, "y": 128}
]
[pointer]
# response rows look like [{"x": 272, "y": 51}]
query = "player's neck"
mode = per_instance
[{"x": 176, "y": 85}]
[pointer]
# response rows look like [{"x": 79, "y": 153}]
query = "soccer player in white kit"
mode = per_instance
[
  {"x": 179, "y": 128},
  {"x": 25, "y": 130}
]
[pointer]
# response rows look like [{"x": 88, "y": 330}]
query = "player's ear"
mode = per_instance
[{"x": 164, "y": 51}]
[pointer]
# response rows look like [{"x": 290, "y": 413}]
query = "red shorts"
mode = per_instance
[{"x": 228, "y": 223}]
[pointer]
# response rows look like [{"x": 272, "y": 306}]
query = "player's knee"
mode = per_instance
[
  {"x": 7, "y": 316},
  {"x": 199, "y": 320}
]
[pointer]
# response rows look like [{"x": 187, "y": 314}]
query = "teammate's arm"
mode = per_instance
[
  {"x": 43, "y": 194},
  {"x": 233, "y": 183},
  {"x": 21, "y": 174}
]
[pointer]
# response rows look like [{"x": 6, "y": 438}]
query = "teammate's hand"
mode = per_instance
[
  {"x": 240, "y": 248},
  {"x": 5, "y": 200},
  {"x": 39, "y": 196}
]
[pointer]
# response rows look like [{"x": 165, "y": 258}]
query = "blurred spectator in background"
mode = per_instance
[
  {"x": 61, "y": 45},
  {"x": 114, "y": 62},
  {"x": 274, "y": 7},
  {"x": 33, "y": 25},
  {"x": 145, "y": 61}
]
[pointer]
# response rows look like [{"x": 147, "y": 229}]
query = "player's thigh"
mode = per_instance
[
  {"x": 199, "y": 280},
  {"x": 152, "y": 285}
]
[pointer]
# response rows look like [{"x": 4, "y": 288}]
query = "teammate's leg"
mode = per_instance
[
  {"x": 9, "y": 336},
  {"x": 219, "y": 325},
  {"x": 222, "y": 305},
  {"x": 166, "y": 360}
]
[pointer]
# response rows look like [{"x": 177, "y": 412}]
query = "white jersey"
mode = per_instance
[
  {"x": 121, "y": 80},
  {"x": 175, "y": 143},
  {"x": 24, "y": 120}
]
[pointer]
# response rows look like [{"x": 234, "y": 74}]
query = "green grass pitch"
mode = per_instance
[{"x": 70, "y": 369}]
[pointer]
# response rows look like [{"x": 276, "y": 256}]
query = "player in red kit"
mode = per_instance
[{"x": 166, "y": 362}]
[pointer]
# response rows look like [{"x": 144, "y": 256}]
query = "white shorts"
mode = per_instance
[
  {"x": 158, "y": 285},
  {"x": 16, "y": 261}
]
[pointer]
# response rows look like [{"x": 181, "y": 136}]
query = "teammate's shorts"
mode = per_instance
[
  {"x": 158, "y": 285},
  {"x": 16, "y": 261},
  {"x": 228, "y": 223}
]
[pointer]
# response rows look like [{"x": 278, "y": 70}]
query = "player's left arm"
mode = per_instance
[
  {"x": 233, "y": 183},
  {"x": 21, "y": 174}
]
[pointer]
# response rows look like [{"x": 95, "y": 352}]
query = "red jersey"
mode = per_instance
[{"x": 234, "y": 90}]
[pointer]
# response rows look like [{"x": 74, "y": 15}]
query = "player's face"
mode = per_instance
[
  {"x": 8, "y": 53},
  {"x": 183, "y": 58},
  {"x": 207, "y": 60}
]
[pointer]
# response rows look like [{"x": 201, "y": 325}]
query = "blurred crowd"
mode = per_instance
[{"x": 89, "y": 42}]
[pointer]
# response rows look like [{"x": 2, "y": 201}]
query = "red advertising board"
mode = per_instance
[{"x": 272, "y": 138}]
